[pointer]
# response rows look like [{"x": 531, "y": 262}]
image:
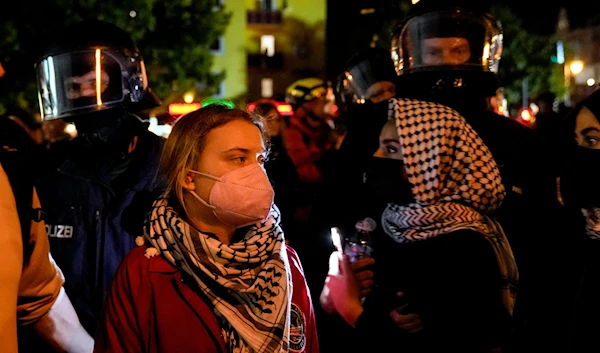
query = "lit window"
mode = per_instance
[
  {"x": 266, "y": 87},
  {"x": 267, "y": 45}
]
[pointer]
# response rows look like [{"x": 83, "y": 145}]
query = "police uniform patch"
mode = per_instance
[
  {"x": 59, "y": 231},
  {"x": 297, "y": 329}
]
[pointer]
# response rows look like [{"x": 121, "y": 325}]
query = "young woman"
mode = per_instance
[
  {"x": 224, "y": 281},
  {"x": 444, "y": 276},
  {"x": 580, "y": 194}
]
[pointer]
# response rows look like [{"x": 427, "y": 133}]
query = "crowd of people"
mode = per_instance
[{"x": 482, "y": 232}]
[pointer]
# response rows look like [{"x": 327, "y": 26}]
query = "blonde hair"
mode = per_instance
[{"x": 187, "y": 140}]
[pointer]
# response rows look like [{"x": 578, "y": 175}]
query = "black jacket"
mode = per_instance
[
  {"x": 451, "y": 281},
  {"x": 92, "y": 222}
]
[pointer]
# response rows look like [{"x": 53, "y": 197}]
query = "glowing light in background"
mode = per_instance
[
  {"x": 560, "y": 52},
  {"x": 188, "y": 97},
  {"x": 576, "y": 67},
  {"x": 71, "y": 130},
  {"x": 177, "y": 109},
  {"x": 526, "y": 115}
]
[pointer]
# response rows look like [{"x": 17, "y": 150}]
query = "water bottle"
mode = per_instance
[{"x": 360, "y": 244}]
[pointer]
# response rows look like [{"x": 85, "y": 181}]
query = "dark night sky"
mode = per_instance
[{"x": 541, "y": 16}]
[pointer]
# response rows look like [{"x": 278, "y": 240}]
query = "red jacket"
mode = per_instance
[
  {"x": 306, "y": 145},
  {"x": 150, "y": 309}
]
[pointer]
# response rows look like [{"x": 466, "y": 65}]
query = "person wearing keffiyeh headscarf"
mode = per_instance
[
  {"x": 445, "y": 276},
  {"x": 579, "y": 192},
  {"x": 213, "y": 272}
]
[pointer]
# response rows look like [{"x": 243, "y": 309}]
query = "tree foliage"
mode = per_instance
[
  {"x": 526, "y": 56},
  {"x": 174, "y": 37}
]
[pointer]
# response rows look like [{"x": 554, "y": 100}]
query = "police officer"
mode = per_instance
[
  {"x": 370, "y": 76},
  {"x": 93, "y": 75}
]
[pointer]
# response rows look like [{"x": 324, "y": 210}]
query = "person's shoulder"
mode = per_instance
[
  {"x": 154, "y": 143},
  {"x": 291, "y": 253},
  {"x": 135, "y": 258},
  {"x": 154, "y": 137},
  {"x": 519, "y": 136},
  {"x": 136, "y": 261},
  {"x": 293, "y": 258},
  {"x": 512, "y": 124}
]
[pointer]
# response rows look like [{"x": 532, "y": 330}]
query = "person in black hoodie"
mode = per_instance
[{"x": 445, "y": 276}]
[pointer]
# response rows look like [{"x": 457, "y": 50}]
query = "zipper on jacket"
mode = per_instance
[{"x": 98, "y": 244}]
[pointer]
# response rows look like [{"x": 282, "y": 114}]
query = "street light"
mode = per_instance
[
  {"x": 571, "y": 70},
  {"x": 576, "y": 67},
  {"x": 188, "y": 97}
]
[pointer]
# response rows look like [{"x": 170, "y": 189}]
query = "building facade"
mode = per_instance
[
  {"x": 268, "y": 45},
  {"x": 580, "y": 56}
]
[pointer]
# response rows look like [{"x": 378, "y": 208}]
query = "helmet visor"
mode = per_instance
[
  {"x": 78, "y": 82},
  {"x": 364, "y": 76},
  {"x": 448, "y": 40}
]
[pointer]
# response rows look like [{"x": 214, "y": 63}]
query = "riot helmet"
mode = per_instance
[
  {"x": 441, "y": 45},
  {"x": 369, "y": 75},
  {"x": 92, "y": 66}
]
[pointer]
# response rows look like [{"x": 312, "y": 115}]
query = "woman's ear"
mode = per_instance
[{"x": 187, "y": 182}]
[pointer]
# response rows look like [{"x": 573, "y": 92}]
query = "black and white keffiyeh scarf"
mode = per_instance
[
  {"x": 455, "y": 181},
  {"x": 248, "y": 282},
  {"x": 592, "y": 222}
]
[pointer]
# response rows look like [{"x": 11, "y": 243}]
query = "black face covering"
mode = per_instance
[
  {"x": 106, "y": 135},
  {"x": 580, "y": 180},
  {"x": 385, "y": 183}
]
